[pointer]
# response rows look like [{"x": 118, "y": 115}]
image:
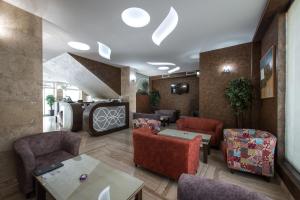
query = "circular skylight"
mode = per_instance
[
  {"x": 135, "y": 17},
  {"x": 164, "y": 68},
  {"x": 79, "y": 46}
]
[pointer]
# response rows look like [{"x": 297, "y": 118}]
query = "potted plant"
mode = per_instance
[
  {"x": 144, "y": 88},
  {"x": 50, "y": 101},
  {"x": 154, "y": 99},
  {"x": 239, "y": 94}
]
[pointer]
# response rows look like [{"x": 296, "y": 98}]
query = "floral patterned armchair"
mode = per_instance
[{"x": 250, "y": 151}]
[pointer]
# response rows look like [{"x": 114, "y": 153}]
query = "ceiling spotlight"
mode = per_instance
[
  {"x": 104, "y": 50},
  {"x": 166, "y": 27},
  {"x": 161, "y": 63},
  {"x": 135, "y": 17},
  {"x": 173, "y": 70},
  {"x": 164, "y": 68},
  {"x": 79, "y": 46}
]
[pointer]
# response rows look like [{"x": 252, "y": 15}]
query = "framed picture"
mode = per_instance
[{"x": 267, "y": 74}]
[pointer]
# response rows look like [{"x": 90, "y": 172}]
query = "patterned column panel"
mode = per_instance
[{"x": 107, "y": 118}]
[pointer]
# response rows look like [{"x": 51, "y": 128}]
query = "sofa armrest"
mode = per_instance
[
  {"x": 24, "y": 153},
  {"x": 180, "y": 124},
  {"x": 71, "y": 143}
]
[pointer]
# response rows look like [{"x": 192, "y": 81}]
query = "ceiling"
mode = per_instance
[{"x": 203, "y": 25}]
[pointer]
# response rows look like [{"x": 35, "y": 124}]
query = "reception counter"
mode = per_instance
[{"x": 103, "y": 118}]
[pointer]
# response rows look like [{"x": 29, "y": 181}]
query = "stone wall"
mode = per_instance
[
  {"x": 185, "y": 103},
  {"x": 20, "y": 86},
  {"x": 213, "y": 81}
]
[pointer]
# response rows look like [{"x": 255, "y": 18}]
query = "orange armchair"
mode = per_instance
[
  {"x": 202, "y": 125},
  {"x": 165, "y": 155}
]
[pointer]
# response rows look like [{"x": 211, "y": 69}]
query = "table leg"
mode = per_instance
[
  {"x": 40, "y": 191},
  {"x": 205, "y": 152},
  {"x": 139, "y": 195}
]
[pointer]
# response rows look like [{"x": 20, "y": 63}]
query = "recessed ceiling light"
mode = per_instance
[
  {"x": 79, "y": 46},
  {"x": 104, "y": 50},
  {"x": 161, "y": 63},
  {"x": 166, "y": 27},
  {"x": 135, "y": 17},
  {"x": 164, "y": 68},
  {"x": 173, "y": 70}
]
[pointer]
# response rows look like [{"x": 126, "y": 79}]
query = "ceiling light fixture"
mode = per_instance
[
  {"x": 166, "y": 27},
  {"x": 164, "y": 68},
  {"x": 79, "y": 46},
  {"x": 173, "y": 70},
  {"x": 161, "y": 63},
  {"x": 135, "y": 17},
  {"x": 104, "y": 50}
]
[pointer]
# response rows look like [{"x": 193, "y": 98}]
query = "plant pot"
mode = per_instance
[{"x": 51, "y": 112}]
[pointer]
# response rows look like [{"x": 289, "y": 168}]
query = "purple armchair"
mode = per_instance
[
  {"x": 42, "y": 150},
  {"x": 198, "y": 188}
]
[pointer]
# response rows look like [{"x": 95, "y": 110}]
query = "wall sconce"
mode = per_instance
[
  {"x": 227, "y": 69},
  {"x": 198, "y": 73},
  {"x": 132, "y": 78}
]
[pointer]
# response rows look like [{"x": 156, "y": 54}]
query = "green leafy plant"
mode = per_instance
[
  {"x": 50, "y": 100},
  {"x": 239, "y": 94},
  {"x": 144, "y": 88},
  {"x": 154, "y": 98}
]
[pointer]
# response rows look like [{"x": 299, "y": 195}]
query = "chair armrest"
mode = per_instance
[
  {"x": 71, "y": 143},
  {"x": 180, "y": 124},
  {"x": 25, "y": 155}
]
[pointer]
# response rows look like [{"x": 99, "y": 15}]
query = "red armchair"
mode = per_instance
[
  {"x": 208, "y": 126},
  {"x": 165, "y": 155}
]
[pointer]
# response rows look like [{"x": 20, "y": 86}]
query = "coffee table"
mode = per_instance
[
  {"x": 64, "y": 184},
  {"x": 205, "y": 146}
]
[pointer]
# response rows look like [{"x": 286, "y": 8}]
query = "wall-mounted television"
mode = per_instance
[{"x": 179, "y": 88}]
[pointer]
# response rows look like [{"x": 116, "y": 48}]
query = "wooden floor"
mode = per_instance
[{"x": 116, "y": 150}]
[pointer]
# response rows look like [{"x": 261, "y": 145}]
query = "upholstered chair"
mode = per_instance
[
  {"x": 250, "y": 150},
  {"x": 198, "y": 188},
  {"x": 42, "y": 150}
]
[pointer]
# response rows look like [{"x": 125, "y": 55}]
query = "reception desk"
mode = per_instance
[
  {"x": 70, "y": 116},
  {"x": 102, "y": 118}
]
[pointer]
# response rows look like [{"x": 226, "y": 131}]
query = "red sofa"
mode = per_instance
[
  {"x": 208, "y": 126},
  {"x": 165, "y": 155}
]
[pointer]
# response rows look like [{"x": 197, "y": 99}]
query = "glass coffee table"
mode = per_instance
[
  {"x": 205, "y": 146},
  {"x": 64, "y": 184}
]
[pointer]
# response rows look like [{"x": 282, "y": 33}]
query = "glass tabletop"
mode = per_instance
[
  {"x": 185, "y": 135},
  {"x": 64, "y": 184}
]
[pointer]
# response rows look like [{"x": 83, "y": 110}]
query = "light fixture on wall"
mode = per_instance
[
  {"x": 135, "y": 17},
  {"x": 166, "y": 27},
  {"x": 132, "y": 77},
  {"x": 198, "y": 73},
  {"x": 104, "y": 50},
  {"x": 227, "y": 69}
]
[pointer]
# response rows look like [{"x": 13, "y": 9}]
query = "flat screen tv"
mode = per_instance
[{"x": 179, "y": 88}]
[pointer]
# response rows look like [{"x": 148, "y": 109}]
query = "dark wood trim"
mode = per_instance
[
  {"x": 290, "y": 177},
  {"x": 273, "y": 7},
  {"x": 175, "y": 75},
  {"x": 88, "y": 117}
]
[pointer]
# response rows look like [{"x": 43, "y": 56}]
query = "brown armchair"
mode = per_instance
[{"x": 42, "y": 150}]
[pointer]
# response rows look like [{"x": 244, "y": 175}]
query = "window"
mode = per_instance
[
  {"x": 292, "y": 140},
  {"x": 48, "y": 89}
]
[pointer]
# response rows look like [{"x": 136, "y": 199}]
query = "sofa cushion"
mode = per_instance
[{"x": 52, "y": 158}]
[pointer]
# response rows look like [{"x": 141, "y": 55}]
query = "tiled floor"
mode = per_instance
[{"x": 116, "y": 150}]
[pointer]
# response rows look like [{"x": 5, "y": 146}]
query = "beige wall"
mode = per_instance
[
  {"x": 128, "y": 89},
  {"x": 20, "y": 85}
]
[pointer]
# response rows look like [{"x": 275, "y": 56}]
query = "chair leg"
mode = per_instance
[
  {"x": 231, "y": 171},
  {"x": 267, "y": 179}
]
